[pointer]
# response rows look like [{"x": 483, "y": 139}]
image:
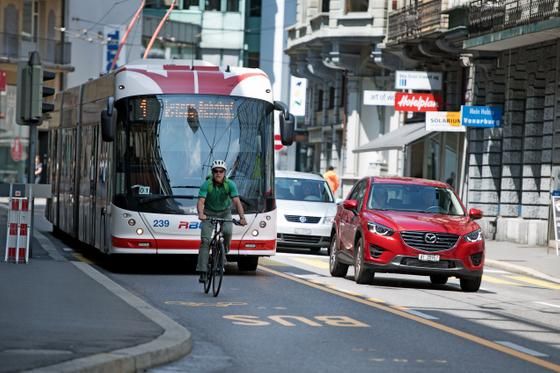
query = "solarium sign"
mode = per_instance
[{"x": 481, "y": 116}]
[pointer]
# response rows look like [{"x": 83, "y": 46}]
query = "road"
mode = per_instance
[{"x": 292, "y": 316}]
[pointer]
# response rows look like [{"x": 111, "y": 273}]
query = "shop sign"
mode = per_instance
[
  {"x": 298, "y": 89},
  {"x": 423, "y": 80},
  {"x": 417, "y": 102},
  {"x": 444, "y": 121},
  {"x": 379, "y": 98},
  {"x": 481, "y": 116},
  {"x": 16, "y": 149}
]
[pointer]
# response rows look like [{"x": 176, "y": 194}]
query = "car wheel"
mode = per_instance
[
  {"x": 336, "y": 268},
  {"x": 470, "y": 284},
  {"x": 438, "y": 279},
  {"x": 362, "y": 275}
]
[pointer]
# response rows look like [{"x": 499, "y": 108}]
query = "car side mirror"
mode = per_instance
[
  {"x": 107, "y": 122},
  {"x": 350, "y": 204},
  {"x": 475, "y": 214}
]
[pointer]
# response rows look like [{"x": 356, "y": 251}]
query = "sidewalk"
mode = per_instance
[
  {"x": 59, "y": 315},
  {"x": 537, "y": 261}
]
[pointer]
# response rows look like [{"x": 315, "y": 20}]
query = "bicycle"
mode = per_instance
[{"x": 216, "y": 256}]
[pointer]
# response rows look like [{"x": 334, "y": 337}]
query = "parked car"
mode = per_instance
[
  {"x": 407, "y": 225},
  {"x": 305, "y": 209}
]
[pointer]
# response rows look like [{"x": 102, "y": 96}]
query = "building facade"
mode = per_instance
[{"x": 26, "y": 26}]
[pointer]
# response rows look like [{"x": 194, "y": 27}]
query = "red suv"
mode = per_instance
[{"x": 407, "y": 225}]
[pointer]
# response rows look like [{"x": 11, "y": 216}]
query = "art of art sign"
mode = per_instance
[
  {"x": 298, "y": 89},
  {"x": 379, "y": 98},
  {"x": 444, "y": 121},
  {"x": 481, "y": 116},
  {"x": 423, "y": 80},
  {"x": 417, "y": 102}
]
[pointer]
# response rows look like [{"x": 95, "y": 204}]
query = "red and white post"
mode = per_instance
[{"x": 18, "y": 237}]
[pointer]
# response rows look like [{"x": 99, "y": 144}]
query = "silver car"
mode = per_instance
[{"x": 306, "y": 210}]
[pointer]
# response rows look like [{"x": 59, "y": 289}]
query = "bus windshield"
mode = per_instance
[{"x": 165, "y": 145}]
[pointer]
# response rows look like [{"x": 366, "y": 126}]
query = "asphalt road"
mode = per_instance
[{"x": 292, "y": 316}]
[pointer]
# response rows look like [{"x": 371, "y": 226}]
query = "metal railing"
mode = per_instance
[
  {"x": 413, "y": 22},
  {"x": 18, "y": 47},
  {"x": 491, "y": 16}
]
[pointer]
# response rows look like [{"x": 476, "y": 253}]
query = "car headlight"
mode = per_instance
[
  {"x": 380, "y": 229},
  {"x": 474, "y": 236},
  {"x": 329, "y": 219}
]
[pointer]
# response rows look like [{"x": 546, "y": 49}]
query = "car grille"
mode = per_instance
[
  {"x": 413, "y": 262},
  {"x": 417, "y": 240},
  {"x": 299, "y": 239},
  {"x": 308, "y": 219}
]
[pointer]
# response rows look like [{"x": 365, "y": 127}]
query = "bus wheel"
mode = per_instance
[{"x": 248, "y": 263}]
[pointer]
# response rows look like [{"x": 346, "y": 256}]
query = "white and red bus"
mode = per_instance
[{"x": 129, "y": 151}]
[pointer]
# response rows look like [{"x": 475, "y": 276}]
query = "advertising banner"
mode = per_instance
[
  {"x": 444, "y": 121},
  {"x": 379, "y": 98},
  {"x": 423, "y": 80},
  {"x": 298, "y": 88},
  {"x": 481, "y": 116},
  {"x": 417, "y": 102},
  {"x": 556, "y": 217}
]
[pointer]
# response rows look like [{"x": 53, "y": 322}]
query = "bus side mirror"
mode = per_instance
[
  {"x": 287, "y": 123},
  {"x": 107, "y": 123}
]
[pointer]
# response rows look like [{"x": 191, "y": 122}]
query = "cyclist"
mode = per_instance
[{"x": 214, "y": 201}]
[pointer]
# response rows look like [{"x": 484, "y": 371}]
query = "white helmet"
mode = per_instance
[{"x": 218, "y": 163}]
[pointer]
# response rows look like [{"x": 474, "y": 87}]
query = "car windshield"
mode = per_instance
[
  {"x": 415, "y": 198},
  {"x": 298, "y": 189}
]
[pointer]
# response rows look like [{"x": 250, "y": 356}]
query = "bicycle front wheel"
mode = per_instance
[{"x": 218, "y": 268}]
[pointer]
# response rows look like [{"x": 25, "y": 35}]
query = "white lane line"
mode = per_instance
[
  {"x": 521, "y": 348},
  {"x": 490, "y": 270},
  {"x": 67, "y": 249},
  {"x": 549, "y": 304},
  {"x": 422, "y": 314}
]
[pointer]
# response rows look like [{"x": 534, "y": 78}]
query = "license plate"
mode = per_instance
[
  {"x": 428, "y": 257},
  {"x": 303, "y": 231}
]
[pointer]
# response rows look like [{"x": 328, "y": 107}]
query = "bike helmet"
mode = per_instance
[{"x": 218, "y": 163}]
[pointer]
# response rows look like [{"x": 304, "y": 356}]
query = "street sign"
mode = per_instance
[
  {"x": 423, "y": 80},
  {"x": 379, "y": 98},
  {"x": 481, "y": 116},
  {"x": 444, "y": 121},
  {"x": 417, "y": 102},
  {"x": 298, "y": 91}
]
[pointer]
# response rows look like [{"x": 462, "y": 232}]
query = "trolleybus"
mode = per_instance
[{"x": 128, "y": 152}]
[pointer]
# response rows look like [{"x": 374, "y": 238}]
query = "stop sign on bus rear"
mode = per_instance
[{"x": 278, "y": 143}]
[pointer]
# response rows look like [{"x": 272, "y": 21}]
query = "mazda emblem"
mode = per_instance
[
  {"x": 302, "y": 219},
  {"x": 430, "y": 238}
]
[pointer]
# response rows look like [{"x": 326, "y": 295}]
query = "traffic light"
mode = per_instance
[{"x": 31, "y": 91}]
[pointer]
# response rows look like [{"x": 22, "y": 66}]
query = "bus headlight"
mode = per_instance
[
  {"x": 139, "y": 231},
  {"x": 255, "y": 233}
]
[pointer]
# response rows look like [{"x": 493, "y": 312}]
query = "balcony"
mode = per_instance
[
  {"x": 493, "y": 16},
  {"x": 416, "y": 21},
  {"x": 18, "y": 47}
]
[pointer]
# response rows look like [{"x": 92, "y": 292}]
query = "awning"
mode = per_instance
[{"x": 396, "y": 139}]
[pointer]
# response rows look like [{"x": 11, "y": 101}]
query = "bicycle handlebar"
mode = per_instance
[{"x": 220, "y": 220}]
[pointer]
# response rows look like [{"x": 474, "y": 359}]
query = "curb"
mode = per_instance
[
  {"x": 174, "y": 343},
  {"x": 521, "y": 270}
]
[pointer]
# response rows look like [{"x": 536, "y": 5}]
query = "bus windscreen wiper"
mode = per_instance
[
  {"x": 149, "y": 199},
  {"x": 185, "y": 186}
]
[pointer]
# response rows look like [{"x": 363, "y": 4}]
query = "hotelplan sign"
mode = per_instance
[{"x": 423, "y": 80}]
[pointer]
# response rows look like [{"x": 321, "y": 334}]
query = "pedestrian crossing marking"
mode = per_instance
[
  {"x": 313, "y": 262},
  {"x": 536, "y": 282},
  {"x": 496, "y": 280}
]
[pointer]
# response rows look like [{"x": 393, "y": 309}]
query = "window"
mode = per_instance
[
  {"x": 320, "y": 100},
  {"x": 31, "y": 19},
  {"x": 232, "y": 6},
  {"x": 325, "y": 6},
  {"x": 356, "y": 6},
  {"x": 212, "y": 5},
  {"x": 255, "y": 8},
  {"x": 253, "y": 59},
  {"x": 342, "y": 91},
  {"x": 331, "y": 98},
  {"x": 191, "y": 3}
]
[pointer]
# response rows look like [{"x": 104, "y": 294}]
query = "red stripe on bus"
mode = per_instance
[{"x": 135, "y": 243}]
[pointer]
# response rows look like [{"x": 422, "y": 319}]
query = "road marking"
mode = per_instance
[
  {"x": 313, "y": 262},
  {"x": 537, "y": 282},
  {"x": 496, "y": 280},
  {"x": 338, "y": 321},
  {"x": 549, "y": 304},
  {"x": 67, "y": 249},
  {"x": 82, "y": 258},
  {"x": 521, "y": 348},
  {"x": 491, "y": 270},
  {"x": 456, "y": 332},
  {"x": 202, "y": 304},
  {"x": 422, "y": 314}
]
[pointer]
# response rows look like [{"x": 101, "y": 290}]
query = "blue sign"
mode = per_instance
[{"x": 481, "y": 116}]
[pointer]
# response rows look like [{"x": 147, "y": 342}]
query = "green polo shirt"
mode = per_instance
[{"x": 218, "y": 198}]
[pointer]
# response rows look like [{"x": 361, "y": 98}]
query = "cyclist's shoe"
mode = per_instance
[{"x": 202, "y": 278}]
